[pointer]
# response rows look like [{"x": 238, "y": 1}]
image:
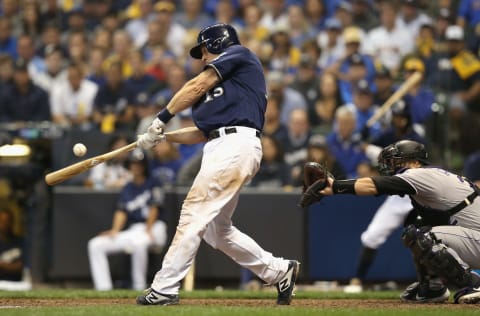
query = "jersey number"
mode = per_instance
[{"x": 218, "y": 91}]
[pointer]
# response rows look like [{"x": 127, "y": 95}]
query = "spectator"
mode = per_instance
[
  {"x": 273, "y": 172},
  {"x": 443, "y": 20},
  {"x": 95, "y": 70},
  {"x": 317, "y": 151},
  {"x": 137, "y": 27},
  {"x": 357, "y": 70},
  {"x": 344, "y": 143},
  {"x": 273, "y": 126},
  {"x": 78, "y": 49},
  {"x": 8, "y": 42},
  {"x": 72, "y": 100},
  {"x": 26, "y": 52},
  {"x": 23, "y": 100},
  {"x": 122, "y": 46},
  {"x": 290, "y": 98},
  {"x": 344, "y": 12},
  {"x": 321, "y": 116},
  {"x": 10, "y": 10},
  {"x": 332, "y": 48},
  {"x": 31, "y": 21},
  {"x": 306, "y": 81},
  {"x": 165, "y": 163},
  {"x": 390, "y": 43},
  {"x": 172, "y": 33},
  {"x": 315, "y": 14},
  {"x": 384, "y": 87},
  {"x": 253, "y": 29},
  {"x": 284, "y": 56},
  {"x": 225, "y": 13},
  {"x": 111, "y": 22},
  {"x": 112, "y": 173},
  {"x": 6, "y": 70},
  {"x": 102, "y": 39},
  {"x": 401, "y": 128},
  {"x": 51, "y": 13},
  {"x": 458, "y": 71},
  {"x": 275, "y": 16},
  {"x": 139, "y": 81},
  {"x": 299, "y": 29},
  {"x": 192, "y": 17},
  {"x": 411, "y": 18},
  {"x": 365, "y": 108},
  {"x": 136, "y": 226},
  {"x": 418, "y": 97},
  {"x": 76, "y": 23},
  {"x": 311, "y": 49},
  {"x": 113, "y": 108},
  {"x": 469, "y": 15},
  {"x": 50, "y": 37},
  {"x": 54, "y": 74},
  {"x": 299, "y": 133},
  {"x": 363, "y": 15}
]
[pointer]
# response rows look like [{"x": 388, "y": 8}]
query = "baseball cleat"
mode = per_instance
[
  {"x": 415, "y": 293},
  {"x": 467, "y": 295},
  {"x": 152, "y": 297},
  {"x": 286, "y": 285}
]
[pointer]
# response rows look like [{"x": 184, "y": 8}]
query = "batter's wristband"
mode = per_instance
[
  {"x": 165, "y": 115},
  {"x": 344, "y": 186}
]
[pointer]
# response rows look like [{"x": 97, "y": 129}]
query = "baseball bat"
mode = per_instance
[
  {"x": 189, "y": 281},
  {"x": 397, "y": 95},
  {"x": 66, "y": 173}
]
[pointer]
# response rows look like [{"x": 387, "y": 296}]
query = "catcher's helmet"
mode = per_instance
[
  {"x": 216, "y": 39},
  {"x": 393, "y": 156}
]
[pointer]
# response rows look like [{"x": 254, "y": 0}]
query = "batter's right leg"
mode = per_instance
[{"x": 97, "y": 255}]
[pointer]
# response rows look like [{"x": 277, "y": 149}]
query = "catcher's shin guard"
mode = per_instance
[{"x": 437, "y": 258}]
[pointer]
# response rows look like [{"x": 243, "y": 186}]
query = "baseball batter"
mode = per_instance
[
  {"x": 228, "y": 99},
  {"x": 135, "y": 227},
  {"x": 447, "y": 245}
]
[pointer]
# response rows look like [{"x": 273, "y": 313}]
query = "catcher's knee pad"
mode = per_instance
[
  {"x": 442, "y": 261},
  {"x": 436, "y": 257}
]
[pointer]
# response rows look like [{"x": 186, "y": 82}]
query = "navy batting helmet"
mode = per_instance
[
  {"x": 216, "y": 39},
  {"x": 393, "y": 156}
]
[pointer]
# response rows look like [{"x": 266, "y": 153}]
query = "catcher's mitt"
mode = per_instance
[{"x": 315, "y": 179}]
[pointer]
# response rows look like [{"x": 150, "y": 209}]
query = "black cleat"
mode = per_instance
[
  {"x": 467, "y": 295},
  {"x": 416, "y": 293},
  {"x": 152, "y": 297},
  {"x": 286, "y": 285}
]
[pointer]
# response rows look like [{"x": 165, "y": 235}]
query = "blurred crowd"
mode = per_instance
[{"x": 110, "y": 66}]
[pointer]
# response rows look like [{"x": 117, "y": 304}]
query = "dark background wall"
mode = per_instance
[{"x": 326, "y": 239}]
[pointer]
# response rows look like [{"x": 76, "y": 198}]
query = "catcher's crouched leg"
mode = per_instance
[{"x": 438, "y": 258}]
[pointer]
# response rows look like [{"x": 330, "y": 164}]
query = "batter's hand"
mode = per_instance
[{"x": 153, "y": 136}]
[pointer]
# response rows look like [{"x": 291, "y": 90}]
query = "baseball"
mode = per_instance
[{"x": 79, "y": 149}]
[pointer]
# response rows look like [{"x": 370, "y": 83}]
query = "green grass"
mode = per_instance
[{"x": 217, "y": 308}]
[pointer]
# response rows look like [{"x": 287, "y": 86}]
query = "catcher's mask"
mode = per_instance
[{"x": 393, "y": 157}]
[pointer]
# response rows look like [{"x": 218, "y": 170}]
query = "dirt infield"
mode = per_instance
[{"x": 316, "y": 303}]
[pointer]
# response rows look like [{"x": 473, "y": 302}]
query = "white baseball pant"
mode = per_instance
[
  {"x": 228, "y": 162},
  {"x": 134, "y": 241},
  {"x": 389, "y": 216}
]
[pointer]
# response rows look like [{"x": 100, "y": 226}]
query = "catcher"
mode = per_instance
[{"x": 443, "y": 229}]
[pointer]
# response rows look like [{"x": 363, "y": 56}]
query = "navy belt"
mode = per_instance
[{"x": 228, "y": 130}]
